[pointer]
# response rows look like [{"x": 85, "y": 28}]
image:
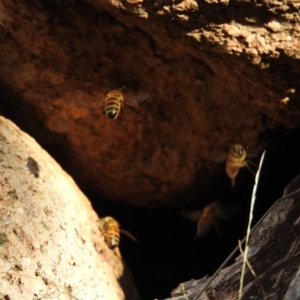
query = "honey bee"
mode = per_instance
[
  {"x": 111, "y": 231},
  {"x": 209, "y": 216},
  {"x": 115, "y": 99},
  {"x": 237, "y": 159}
]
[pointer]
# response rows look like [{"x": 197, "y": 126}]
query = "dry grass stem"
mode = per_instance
[
  {"x": 249, "y": 226},
  {"x": 252, "y": 271},
  {"x": 183, "y": 291}
]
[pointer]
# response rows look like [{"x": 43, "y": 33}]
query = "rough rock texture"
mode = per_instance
[
  {"x": 293, "y": 291},
  {"x": 274, "y": 254},
  {"x": 50, "y": 245},
  {"x": 217, "y": 72}
]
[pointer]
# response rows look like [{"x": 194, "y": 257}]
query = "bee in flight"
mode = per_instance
[
  {"x": 237, "y": 158},
  {"x": 115, "y": 99},
  {"x": 209, "y": 216},
  {"x": 110, "y": 229}
]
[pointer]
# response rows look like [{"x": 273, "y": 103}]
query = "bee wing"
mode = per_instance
[
  {"x": 100, "y": 224},
  {"x": 142, "y": 96},
  {"x": 133, "y": 99},
  {"x": 226, "y": 213},
  {"x": 252, "y": 154},
  {"x": 221, "y": 158},
  {"x": 192, "y": 215},
  {"x": 128, "y": 234}
]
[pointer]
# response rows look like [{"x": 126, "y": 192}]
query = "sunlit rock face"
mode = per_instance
[
  {"x": 50, "y": 243},
  {"x": 212, "y": 82}
]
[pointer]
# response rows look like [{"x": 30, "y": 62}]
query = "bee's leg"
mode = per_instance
[
  {"x": 250, "y": 170},
  {"x": 232, "y": 172},
  {"x": 117, "y": 252},
  {"x": 251, "y": 163},
  {"x": 233, "y": 183}
]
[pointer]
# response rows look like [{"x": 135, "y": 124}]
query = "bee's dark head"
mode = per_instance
[
  {"x": 238, "y": 150},
  {"x": 112, "y": 114}
]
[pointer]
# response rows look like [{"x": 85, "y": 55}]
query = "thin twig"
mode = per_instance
[
  {"x": 249, "y": 225},
  {"x": 252, "y": 271},
  {"x": 183, "y": 291},
  {"x": 247, "y": 261}
]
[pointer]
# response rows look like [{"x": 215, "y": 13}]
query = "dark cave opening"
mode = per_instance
[{"x": 166, "y": 253}]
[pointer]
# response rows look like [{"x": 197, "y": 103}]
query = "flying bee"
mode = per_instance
[
  {"x": 209, "y": 216},
  {"x": 111, "y": 232},
  {"x": 237, "y": 158},
  {"x": 115, "y": 99}
]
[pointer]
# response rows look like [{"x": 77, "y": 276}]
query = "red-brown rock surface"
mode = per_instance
[
  {"x": 50, "y": 244},
  {"x": 216, "y": 73}
]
